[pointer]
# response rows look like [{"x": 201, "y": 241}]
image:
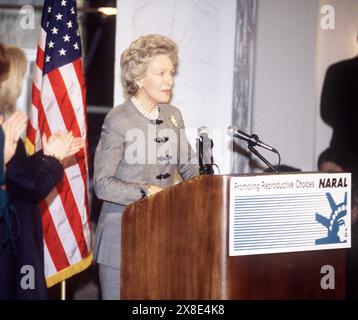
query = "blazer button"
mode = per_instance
[
  {"x": 156, "y": 122},
  {"x": 163, "y": 176},
  {"x": 162, "y": 139}
]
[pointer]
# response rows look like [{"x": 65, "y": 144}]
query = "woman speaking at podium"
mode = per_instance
[{"x": 142, "y": 146}]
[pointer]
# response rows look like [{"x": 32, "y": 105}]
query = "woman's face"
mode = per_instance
[{"x": 156, "y": 86}]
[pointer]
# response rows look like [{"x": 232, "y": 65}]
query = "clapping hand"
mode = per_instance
[
  {"x": 62, "y": 146},
  {"x": 13, "y": 127},
  {"x": 76, "y": 145}
]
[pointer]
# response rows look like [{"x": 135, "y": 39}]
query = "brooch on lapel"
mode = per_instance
[{"x": 174, "y": 121}]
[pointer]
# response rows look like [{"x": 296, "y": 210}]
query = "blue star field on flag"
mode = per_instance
[{"x": 63, "y": 42}]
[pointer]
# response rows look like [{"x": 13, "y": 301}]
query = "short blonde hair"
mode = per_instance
[
  {"x": 135, "y": 59},
  {"x": 10, "y": 89}
]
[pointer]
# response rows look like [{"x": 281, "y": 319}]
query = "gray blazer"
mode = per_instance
[{"x": 133, "y": 151}]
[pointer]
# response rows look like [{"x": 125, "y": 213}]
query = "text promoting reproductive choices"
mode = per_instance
[{"x": 275, "y": 213}]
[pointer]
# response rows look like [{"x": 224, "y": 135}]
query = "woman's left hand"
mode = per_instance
[
  {"x": 76, "y": 145},
  {"x": 13, "y": 127},
  {"x": 62, "y": 145}
]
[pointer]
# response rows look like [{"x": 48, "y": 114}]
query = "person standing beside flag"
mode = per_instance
[
  {"x": 120, "y": 178},
  {"x": 28, "y": 180}
]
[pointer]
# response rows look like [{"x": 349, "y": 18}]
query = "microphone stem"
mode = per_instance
[{"x": 253, "y": 150}]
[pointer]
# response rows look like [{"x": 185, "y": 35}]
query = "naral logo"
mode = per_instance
[
  {"x": 336, "y": 225},
  {"x": 333, "y": 183}
]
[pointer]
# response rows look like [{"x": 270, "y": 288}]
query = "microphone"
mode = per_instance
[
  {"x": 252, "y": 140},
  {"x": 203, "y": 133},
  {"x": 208, "y": 144},
  {"x": 204, "y": 147}
]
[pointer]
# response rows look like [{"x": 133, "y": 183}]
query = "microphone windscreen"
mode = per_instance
[
  {"x": 203, "y": 130},
  {"x": 231, "y": 130}
]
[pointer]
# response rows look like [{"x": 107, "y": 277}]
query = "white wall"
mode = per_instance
[
  {"x": 284, "y": 81},
  {"x": 292, "y": 54},
  {"x": 204, "y": 31}
]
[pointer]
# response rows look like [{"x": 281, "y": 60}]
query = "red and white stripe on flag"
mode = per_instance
[{"x": 58, "y": 104}]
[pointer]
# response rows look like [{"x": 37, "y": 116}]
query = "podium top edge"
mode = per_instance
[{"x": 273, "y": 174}]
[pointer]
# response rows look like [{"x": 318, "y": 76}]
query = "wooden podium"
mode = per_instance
[{"x": 175, "y": 246}]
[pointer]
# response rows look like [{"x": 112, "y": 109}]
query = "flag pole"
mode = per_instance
[{"x": 63, "y": 290}]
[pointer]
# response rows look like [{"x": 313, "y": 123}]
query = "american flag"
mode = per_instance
[{"x": 59, "y": 104}]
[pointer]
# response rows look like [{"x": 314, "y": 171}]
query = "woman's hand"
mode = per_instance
[
  {"x": 154, "y": 189},
  {"x": 13, "y": 127},
  {"x": 330, "y": 166},
  {"x": 62, "y": 146},
  {"x": 76, "y": 145}
]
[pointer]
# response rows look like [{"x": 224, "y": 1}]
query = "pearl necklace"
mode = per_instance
[{"x": 149, "y": 115}]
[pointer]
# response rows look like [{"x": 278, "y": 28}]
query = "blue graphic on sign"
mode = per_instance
[{"x": 336, "y": 225}]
